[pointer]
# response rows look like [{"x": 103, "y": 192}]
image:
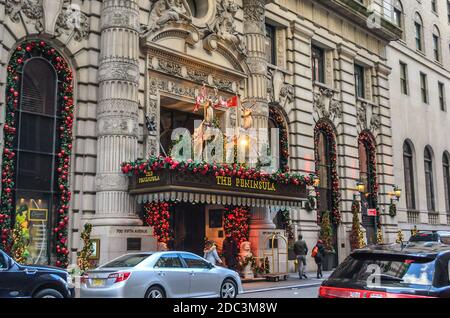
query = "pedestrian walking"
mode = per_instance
[
  {"x": 300, "y": 251},
  {"x": 230, "y": 252},
  {"x": 211, "y": 253},
  {"x": 318, "y": 253}
]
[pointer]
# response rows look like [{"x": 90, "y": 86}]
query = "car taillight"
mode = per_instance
[
  {"x": 84, "y": 279},
  {"x": 120, "y": 277},
  {"x": 334, "y": 292}
]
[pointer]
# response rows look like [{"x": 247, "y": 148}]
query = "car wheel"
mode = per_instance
[
  {"x": 48, "y": 293},
  {"x": 228, "y": 289},
  {"x": 155, "y": 292}
]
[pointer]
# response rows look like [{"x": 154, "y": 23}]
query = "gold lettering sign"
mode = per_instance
[
  {"x": 149, "y": 178},
  {"x": 246, "y": 184}
]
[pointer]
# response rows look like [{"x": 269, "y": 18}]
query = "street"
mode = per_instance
[{"x": 297, "y": 292}]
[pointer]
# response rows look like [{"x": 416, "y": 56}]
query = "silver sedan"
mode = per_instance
[{"x": 160, "y": 275}]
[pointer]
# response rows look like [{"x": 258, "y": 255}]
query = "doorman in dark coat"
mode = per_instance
[{"x": 230, "y": 252}]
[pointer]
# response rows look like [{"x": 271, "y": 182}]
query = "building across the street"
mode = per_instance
[
  {"x": 88, "y": 85},
  {"x": 420, "y": 83}
]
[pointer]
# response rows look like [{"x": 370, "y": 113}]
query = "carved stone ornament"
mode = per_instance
[
  {"x": 31, "y": 9},
  {"x": 117, "y": 126},
  {"x": 72, "y": 20},
  {"x": 278, "y": 90},
  {"x": 326, "y": 105},
  {"x": 224, "y": 25},
  {"x": 164, "y": 11},
  {"x": 366, "y": 117},
  {"x": 117, "y": 70},
  {"x": 254, "y": 12},
  {"x": 111, "y": 182}
]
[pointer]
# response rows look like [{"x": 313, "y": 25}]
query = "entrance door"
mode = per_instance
[{"x": 189, "y": 228}]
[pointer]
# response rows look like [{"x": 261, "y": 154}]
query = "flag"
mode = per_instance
[{"x": 233, "y": 101}]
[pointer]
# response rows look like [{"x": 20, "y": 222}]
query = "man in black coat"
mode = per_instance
[
  {"x": 230, "y": 252},
  {"x": 301, "y": 250}
]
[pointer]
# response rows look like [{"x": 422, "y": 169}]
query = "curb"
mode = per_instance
[{"x": 252, "y": 291}]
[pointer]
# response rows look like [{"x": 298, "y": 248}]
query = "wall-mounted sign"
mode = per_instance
[
  {"x": 372, "y": 212},
  {"x": 37, "y": 215},
  {"x": 130, "y": 231}
]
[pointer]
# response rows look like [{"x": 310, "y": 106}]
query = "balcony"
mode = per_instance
[
  {"x": 433, "y": 218},
  {"x": 413, "y": 217},
  {"x": 375, "y": 15}
]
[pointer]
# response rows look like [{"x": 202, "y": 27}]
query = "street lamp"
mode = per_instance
[
  {"x": 316, "y": 181},
  {"x": 360, "y": 186},
  {"x": 396, "y": 194}
]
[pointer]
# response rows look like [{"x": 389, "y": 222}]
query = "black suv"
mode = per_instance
[
  {"x": 17, "y": 281},
  {"x": 392, "y": 271}
]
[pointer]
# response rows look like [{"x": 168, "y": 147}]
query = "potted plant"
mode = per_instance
[{"x": 326, "y": 235}]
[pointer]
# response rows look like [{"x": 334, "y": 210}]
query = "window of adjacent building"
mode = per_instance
[
  {"x": 359, "y": 81},
  {"x": 424, "y": 87},
  {"x": 318, "y": 64},
  {"x": 270, "y": 44},
  {"x": 446, "y": 167},
  {"x": 408, "y": 170},
  {"x": 441, "y": 89},
  {"x": 404, "y": 78},
  {"x": 398, "y": 14},
  {"x": 418, "y": 26},
  {"x": 324, "y": 171},
  {"x": 434, "y": 7},
  {"x": 436, "y": 44},
  {"x": 431, "y": 206}
]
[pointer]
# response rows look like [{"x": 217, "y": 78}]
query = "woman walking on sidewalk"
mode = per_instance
[{"x": 318, "y": 253}]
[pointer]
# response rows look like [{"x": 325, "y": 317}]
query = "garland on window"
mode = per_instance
[
  {"x": 203, "y": 168},
  {"x": 24, "y": 52},
  {"x": 286, "y": 224},
  {"x": 278, "y": 118},
  {"x": 367, "y": 140},
  {"x": 236, "y": 222},
  {"x": 327, "y": 129},
  {"x": 157, "y": 215}
]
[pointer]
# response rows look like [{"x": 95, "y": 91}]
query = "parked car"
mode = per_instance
[
  {"x": 160, "y": 275},
  {"x": 431, "y": 236},
  {"x": 392, "y": 271},
  {"x": 36, "y": 281}
]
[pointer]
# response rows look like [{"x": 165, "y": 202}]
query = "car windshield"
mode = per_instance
[
  {"x": 3, "y": 262},
  {"x": 445, "y": 240},
  {"x": 386, "y": 270},
  {"x": 127, "y": 260},
  {"x": 424, "y": 237}
]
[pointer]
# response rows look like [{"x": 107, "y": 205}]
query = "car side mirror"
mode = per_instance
[{"x": 210, "y": 265}]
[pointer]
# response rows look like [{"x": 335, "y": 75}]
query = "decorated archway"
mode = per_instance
[
  {"x": 368, "y": 175},
  {"x": 279, "y": 121},
  {"x": 25, "y": 53},
  {"x": 325, "y": 138}
]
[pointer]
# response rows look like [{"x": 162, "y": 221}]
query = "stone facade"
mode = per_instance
[
  {"x": 418, "y": 123},
  {"x": 128, "y": 55}
]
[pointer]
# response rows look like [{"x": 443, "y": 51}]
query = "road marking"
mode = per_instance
[{"x": 282, "y": 287}]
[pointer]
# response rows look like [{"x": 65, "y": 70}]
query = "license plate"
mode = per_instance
[{"x": 96, "y": 282}]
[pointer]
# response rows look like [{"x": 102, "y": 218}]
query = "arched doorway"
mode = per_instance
[
  {"x": 37, "y": 149},
  {"x": 325, "y": 150},
  {"x": 368, "y": 176}
]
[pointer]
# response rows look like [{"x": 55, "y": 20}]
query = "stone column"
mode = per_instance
[
  {"x": 117, "y": 123},
  {"x": 255, "y": 35},
  {"x": 256, "y": 93},
  {"x": 117, "y": 112}
]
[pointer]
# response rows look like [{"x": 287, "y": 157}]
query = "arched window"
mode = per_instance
[
  {"x": 408, "y": 169},
  {"x": 398, "y": 14},
  {"x": 446, "y": 167},
  {"x": 418, "y": 27},
  {"x": 324, "y": 170},
  {"x": 429, "y": 183},
  {"x": 38, "y": 148},
  {"x": 436, "y": 44}
]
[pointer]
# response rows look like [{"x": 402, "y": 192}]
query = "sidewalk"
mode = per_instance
[{"x": 291, "y": 282}]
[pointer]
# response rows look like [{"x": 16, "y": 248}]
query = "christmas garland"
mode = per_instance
[
  {"x": 84, "y": 261},
  {"x": 167, "y": 163},
  {"x": 286, "y": 224},
  {"x": 278, "y": 118},
  {"x": 21, "y": 236},
  {"x": 392, "y": 209},
  {"x": 24, "y": 52},
  {"x": 366, "y": 139},
  {"x": 326, "y": 128},
  {"x": 157, "y": 215},
  {"x": 236, "y": 222}
]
